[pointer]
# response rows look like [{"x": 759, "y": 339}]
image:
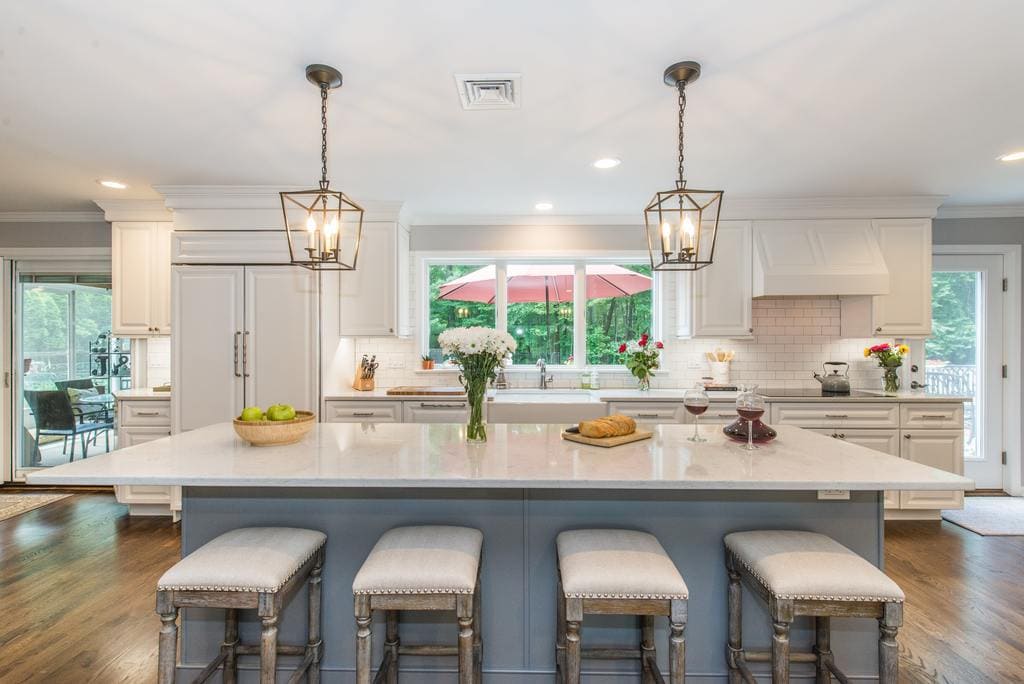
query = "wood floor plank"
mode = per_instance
[{"x": 78, "y": 578}]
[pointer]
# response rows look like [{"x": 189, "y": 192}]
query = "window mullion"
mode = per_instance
[
  {"x": 500, "y": 296},
  {"x": 579, "y": 316}
]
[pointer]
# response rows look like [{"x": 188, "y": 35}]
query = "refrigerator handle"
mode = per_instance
[
  {"x": 237, "y": 374},
  {"x": 245, "y": 354}
]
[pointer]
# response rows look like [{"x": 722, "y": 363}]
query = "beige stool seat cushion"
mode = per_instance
[
  {"x": 260, "y": 559},
  {"x": 617, "y": 564},
  {"x": 426, "y": 559},
  {"x": 806, "y": 565}
]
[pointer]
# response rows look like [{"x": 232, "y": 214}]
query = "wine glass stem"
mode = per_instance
[
  {"x": 750, "y": 435},
  {"x": 696, "y": 419}
]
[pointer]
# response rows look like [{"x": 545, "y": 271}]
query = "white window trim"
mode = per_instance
[{"x": 501, "y": 262}]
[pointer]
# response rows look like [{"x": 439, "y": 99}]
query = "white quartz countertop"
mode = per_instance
[
  {"x": 515, "y": 456},
  {"x": 146, "y": 393},
  {"x": 562, "y": 396}
]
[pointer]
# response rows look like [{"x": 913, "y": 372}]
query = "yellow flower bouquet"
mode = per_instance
[{"x": 890, "y": 358}]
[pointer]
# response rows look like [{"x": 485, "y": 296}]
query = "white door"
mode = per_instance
[
  {"x": 964, "y": 355},
  {"x": 279, "y": 340},
  {"x": 206, "y": 339}
]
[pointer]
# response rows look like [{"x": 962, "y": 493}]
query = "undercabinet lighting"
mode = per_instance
[
  {"x": 543, "y": 206},
  {"x": 607, "y": 163},
  {"x": 113, "y": 184},
  {"x": 1012, "y": 156}
]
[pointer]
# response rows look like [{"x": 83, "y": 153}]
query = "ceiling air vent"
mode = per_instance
[{"x": 489, "y": 91}]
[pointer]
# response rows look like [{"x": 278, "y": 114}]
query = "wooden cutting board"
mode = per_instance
[
  {"x": 608, "y": 441},
  {"x": 412, "y": 391}
]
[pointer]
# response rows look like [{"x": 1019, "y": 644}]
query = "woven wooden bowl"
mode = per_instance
[{"x": 275, "y": 432}]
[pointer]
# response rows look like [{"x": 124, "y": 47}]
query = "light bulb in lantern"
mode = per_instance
[
  {"x": 331, "y": 234},
  {"x": 310, "y": 232},
  {"x": 689, "y": 232},
  {"x": 666, "y": 238}
]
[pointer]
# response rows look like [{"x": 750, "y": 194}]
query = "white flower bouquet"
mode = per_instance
[{"x": 479, "y": 352}]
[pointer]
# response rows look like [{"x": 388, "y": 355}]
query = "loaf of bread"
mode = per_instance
[{"x": 609, "y": 426}]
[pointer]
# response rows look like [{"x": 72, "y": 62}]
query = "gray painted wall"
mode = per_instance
[
  {"x": 981, "y": 231},
  {"x": 57, "y": 234}
]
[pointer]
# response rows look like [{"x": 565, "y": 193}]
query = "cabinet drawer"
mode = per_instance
[
  {"x": 435, "y": 412},
  {"x": 364, "y": 412},
  {"x": 146, "y": 413},
  {"x": 836, "y": 415},
  {"x": 932, "y": 416},
  {"x": 143, "y": 494},
  {"x": 650, "y": 412}
]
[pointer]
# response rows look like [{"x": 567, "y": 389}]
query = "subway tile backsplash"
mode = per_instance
[{"x": 793, "y": 337}]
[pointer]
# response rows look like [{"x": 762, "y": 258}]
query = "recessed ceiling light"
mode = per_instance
[
  {"x": 112, "y": 184},
  {"x": 1013, "y": 156},
  {"x": 543, "y": 206},
  {"x": 607, "y": 163}
]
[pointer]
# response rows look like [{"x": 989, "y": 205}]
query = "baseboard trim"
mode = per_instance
[{"x": 923, "y": 514}]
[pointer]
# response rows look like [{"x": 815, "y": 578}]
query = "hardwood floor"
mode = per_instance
[
  {"x": 77, "y": 583},
  {"x": 77, "y": 592}
]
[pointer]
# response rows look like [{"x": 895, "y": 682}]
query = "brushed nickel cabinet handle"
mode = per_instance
[
  {"x": 940, "y": 416},
  {"x": 649, "y": 415},
  {"x": 428, "y": 405},
  {"x": 725, "y": 415},
  {"x": 153, "y": 414},
  {"x": 836, "y": 415},
  {"x": 237, "y": 374},
  {"x": 363, "y": 414}
]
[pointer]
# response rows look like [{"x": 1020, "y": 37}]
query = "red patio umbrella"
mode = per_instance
[{"x": 545, "y": 283}]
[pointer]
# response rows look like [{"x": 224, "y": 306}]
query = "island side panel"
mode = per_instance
[{"x": 519, "y": 567}]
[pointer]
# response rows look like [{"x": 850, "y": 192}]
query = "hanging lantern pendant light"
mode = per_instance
[
  {"x": 681, "y": 224},
  {"x": 323, "y": 226}
]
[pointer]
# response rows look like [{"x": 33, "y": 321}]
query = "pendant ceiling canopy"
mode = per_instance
[
  {"x": 681, "y": 224},
  {"x": 323, "y": 225}
]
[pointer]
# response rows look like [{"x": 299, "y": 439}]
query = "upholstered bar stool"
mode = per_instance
[
  {"x": 618, "y": 572},
  {"x": 251, "y": 568},
  {"x": 804, "y": 573},
  {"x": 429, "y": 567}
]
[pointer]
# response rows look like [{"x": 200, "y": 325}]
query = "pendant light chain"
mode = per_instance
[
  {"x": 323, "y": 135},
  {"x": 681, "y": 182}
]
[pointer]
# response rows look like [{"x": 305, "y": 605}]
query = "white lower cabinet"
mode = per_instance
[
  {"x": 886, "y": 441},
  {"x": 942, "y": 449},
  {"x": 142, "y": 421},
  {"x": 651, "y": 412},
  {"x": 389, "y": 411}
]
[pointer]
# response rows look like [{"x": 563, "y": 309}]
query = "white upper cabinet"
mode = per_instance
[
  {"x": 374, "y": 298},
  {"x": 906, "y": 311},
  {"x": 716, "y": 301},
  {"x": 141, "y": 273}
]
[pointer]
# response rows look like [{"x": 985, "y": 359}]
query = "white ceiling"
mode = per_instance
[{"x": 808, "y": 98}]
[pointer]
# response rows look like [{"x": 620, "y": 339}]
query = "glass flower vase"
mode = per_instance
[
  {"x": 643, "y": 381},
  {"x": 476, "y": 393},
  {"x": 891, "y": 380}
]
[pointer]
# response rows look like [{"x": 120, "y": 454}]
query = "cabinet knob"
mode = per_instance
[
  {"x": 878, "y": 330},
  {"x": 906, "y": 436}
]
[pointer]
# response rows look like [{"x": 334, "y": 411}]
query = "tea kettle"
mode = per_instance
[{"x": 835, "y": 380}]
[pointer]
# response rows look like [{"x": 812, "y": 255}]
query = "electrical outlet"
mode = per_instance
[
  {"x": 396, "y": 364},
  {"x": 833, "y": 494}
]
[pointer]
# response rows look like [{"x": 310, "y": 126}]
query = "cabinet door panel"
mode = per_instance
[
  {"x": 907, "y": 309},
  {"x": 942, "y": 449},
  {"x": 131, "y": 262},
  {"x": 279, "y": 341},
  {"x": 368, "y": 294},
  {"x": 886, "y": 441},
  {"x": 160, "y": 279},
  {"x": 207, "y": 321},
  {"x": 723, "y": 292}
]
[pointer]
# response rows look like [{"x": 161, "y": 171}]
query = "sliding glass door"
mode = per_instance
[{"x": 66, "y": 364}]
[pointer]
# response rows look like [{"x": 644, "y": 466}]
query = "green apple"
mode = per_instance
[
  {"x": 251, "y": 413},
  {"x": 280, "y": 412}
]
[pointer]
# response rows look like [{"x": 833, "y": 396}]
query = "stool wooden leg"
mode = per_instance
[
  {"x": 315, "y": 643},
  {"x": 364, "y": 638},
  {"x": 823, "y": 649},
  {"x": 734, "y": 652},
  {"x": 559, "y": 633},
  {"x": 647, "y": 648},
  {"x": 677, "y": 641},
  {"x": 391, "y": 645},
  {"x": 782, "y": 620},
  {"x": 888, "y": 652},
  {"x": 573, "y": 650},
  {"x": 230, "y": 646},
  {"x": 478, "y": 639},
  {"x": 464, "y": 612},
  {"x": 268, "y": 650},
  {"x": 168, "y": 648}
]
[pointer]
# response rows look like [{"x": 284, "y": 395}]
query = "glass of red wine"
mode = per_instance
[
  {"x": 696, "y": 402},
  {"x": 750, "y": 406}
]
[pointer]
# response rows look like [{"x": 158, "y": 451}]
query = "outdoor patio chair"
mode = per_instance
[{"x": 54, "y": 415}]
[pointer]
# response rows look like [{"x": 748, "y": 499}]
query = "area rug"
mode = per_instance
[
  {"x": 990, "y": 516},
  {"x": 16, "y": 504}
]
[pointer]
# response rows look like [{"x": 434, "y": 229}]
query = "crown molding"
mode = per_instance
[
  {"x": 733, "y": 209},
  {"x": 51, "y": 217},
  {"x": 128, "y": 210},
  {"x": 956, "y": 211},
  {"x": 214, "y": 200}
]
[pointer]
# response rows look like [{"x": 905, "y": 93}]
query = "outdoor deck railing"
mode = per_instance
[{"x": 956, "y": 380}]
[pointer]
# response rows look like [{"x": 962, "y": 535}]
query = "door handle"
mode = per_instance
[
  {"x": 237, "y": 374},
  {"x": 245, "y": 354}
]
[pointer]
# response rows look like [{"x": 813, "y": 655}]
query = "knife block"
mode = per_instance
[{"x": 362, "y": 384}]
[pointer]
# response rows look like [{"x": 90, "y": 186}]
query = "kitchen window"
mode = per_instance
[{"x": 569, "y": 313}]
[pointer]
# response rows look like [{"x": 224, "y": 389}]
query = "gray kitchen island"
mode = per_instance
[{"x": 356, "y": 481}]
